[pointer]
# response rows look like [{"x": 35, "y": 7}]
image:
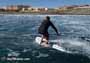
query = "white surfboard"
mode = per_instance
[{"x": 54, "y": 45}]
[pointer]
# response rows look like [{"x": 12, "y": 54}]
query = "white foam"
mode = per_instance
[
  {"x": 75, "y": 44},
  {"x": 13, "y": 54}
]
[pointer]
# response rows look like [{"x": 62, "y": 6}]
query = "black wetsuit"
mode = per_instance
[{"x": 43, "y": 29}]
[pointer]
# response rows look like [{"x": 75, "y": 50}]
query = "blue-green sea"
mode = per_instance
[{"x": 18, "y": 32}]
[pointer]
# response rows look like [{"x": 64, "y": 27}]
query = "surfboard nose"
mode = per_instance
[{"x": 38, "y": 40}]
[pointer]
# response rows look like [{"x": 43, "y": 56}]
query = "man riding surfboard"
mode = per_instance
[{"x": 43, "y": 30}]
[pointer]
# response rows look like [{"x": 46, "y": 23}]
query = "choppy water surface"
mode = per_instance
[{"x": 17, "y": 34}]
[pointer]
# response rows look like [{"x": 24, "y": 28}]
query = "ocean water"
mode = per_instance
[{"x": 18, "y": 32}]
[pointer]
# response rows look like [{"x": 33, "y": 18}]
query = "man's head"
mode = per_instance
[{"x": 47, "y": 18}]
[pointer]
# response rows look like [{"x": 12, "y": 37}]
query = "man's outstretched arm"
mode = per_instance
[{"x": 54, "y": 28}]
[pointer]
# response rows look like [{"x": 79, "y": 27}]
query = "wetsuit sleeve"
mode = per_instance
[{"x": 53, "y": 27}]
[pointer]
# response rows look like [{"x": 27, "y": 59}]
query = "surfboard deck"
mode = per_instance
[{"x": 52, "y": 45}]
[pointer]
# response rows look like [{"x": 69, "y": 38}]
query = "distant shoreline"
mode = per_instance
[
  {"x": 28, "y": 13},
  {"x": 64, "y": 10}
]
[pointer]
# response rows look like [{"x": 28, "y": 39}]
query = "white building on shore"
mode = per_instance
[{"x": 37, "y": 9}]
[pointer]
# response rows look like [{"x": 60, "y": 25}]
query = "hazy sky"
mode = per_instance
[{"x": 44, "y": 3}]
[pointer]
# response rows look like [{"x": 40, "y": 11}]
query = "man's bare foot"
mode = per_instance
[{"x": 45, "y": 45}]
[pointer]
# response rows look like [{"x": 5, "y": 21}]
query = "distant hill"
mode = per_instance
[{"x": 75, "y": 9}]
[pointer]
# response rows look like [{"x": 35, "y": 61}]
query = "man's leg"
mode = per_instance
[
  {"x": 44, "y": 40},
  {"x": 46, "y": 37}
]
